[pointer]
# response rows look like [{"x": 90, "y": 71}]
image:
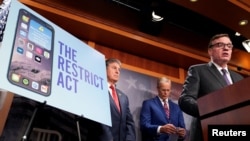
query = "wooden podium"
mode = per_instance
[{"x": 230, "y": 105}]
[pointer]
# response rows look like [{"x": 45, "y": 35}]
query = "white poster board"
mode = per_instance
[{"x": 42, "y": 62}]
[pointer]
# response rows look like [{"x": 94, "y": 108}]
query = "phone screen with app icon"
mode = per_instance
[{"x": 31, "y": 59}]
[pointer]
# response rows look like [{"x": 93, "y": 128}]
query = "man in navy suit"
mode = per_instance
[
  {"x": 155, "y": 124},
  {"x": 123, "y": 128},
  {"x": 205, "y": 78}
]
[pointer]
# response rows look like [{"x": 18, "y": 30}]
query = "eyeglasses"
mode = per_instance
[{"x": 222, "y": 45}]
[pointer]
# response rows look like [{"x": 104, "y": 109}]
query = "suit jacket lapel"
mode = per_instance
[
  {"x": 121, "y": 101},
  {"x": 233, "y": 77},
  {"x": 159, "y": 104},
  {"x": 113, "y": 103},
  {"x": 214, "y": 71}
]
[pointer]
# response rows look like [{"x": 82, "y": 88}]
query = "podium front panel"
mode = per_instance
[{"x": 238, "y": 116}]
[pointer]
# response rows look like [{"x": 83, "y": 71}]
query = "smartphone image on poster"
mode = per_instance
[{"x": 31, "y": 59}]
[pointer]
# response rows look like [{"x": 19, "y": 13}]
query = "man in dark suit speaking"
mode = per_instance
[{"x": 203, "y": 79}]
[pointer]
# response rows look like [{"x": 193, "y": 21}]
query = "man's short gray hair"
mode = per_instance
[{"x": 163, "y": 80}]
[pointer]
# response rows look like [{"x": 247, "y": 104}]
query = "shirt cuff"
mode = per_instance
[{"x": 158, "y": 130}]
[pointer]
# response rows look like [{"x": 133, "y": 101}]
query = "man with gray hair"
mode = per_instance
[{"x": 160, "y": 117}]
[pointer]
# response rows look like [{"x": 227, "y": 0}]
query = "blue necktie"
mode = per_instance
[{"x": 225, "y": 76}]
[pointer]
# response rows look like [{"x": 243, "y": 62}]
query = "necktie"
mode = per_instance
[
  {"x": 115, "y": 98},
  {"x": 166, "y": 109},
  {"x": 225, "y": 76}
]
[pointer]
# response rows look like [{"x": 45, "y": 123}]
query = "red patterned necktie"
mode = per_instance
[
  {"x": 115, "y": 98},
  {"x": 166, "y": 109}
]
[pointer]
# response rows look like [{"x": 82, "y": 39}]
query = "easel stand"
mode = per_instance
[
  {"x": 30, "y": 125},
  {"x": 78, "y": 128}
]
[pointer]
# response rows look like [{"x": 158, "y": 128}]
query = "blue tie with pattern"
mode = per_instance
[{"x": 225, "y": 76}]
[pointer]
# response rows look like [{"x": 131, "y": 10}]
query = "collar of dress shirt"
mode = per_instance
[
  {"x": 219, "y": 68},
  {"x": 162, "y": 100}
]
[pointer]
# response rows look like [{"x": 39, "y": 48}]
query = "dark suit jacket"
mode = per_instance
[
  {"x": 123, "y": 128},
  {"x": 153, "y": 115},
  {"x": 202, "y": 79}
]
